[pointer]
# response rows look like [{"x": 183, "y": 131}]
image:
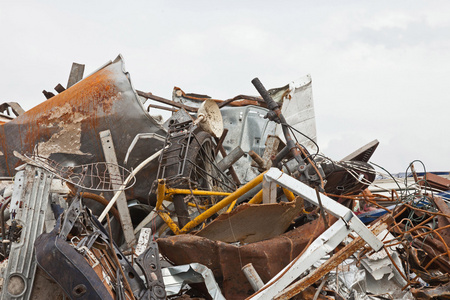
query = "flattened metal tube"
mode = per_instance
[{"x": 252, "y": 277}]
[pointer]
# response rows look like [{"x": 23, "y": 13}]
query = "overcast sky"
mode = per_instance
[{"x": 380, "y": 69}]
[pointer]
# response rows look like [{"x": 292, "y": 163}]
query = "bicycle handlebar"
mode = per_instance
[{"x": 272, "y": 105}]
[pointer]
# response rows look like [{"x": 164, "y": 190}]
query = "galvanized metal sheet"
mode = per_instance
[{"x": 298, "y": 109}]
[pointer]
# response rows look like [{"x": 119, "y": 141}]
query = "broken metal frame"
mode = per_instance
[
  {"x": 164, "y": 193},
  {"x": 324, "y": 244},
  {"x": 209, "y": 212}
]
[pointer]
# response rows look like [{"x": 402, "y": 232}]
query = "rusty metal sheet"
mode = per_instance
[
  {"x": 225, "y": 260},
  {"x": 250, "y": 223},
  {"x": 433, "y": 247},
  {"x": 443, "y": 220},
  {"x": 66, "y": 127},
  {"x": 436, "y": 181},
  {"x": 440, "y": 292}
]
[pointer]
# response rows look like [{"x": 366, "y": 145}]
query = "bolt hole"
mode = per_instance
[{"x": 79, "y": 290}]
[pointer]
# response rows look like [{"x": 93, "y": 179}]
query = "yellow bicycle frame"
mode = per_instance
[{"x": 164, "y": 193}]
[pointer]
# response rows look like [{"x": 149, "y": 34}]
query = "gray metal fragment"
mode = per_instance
[
  {"x": 76, "y": 74},
  {"x": 178, "y": 276},
  {"x": 31, "y": 193}
]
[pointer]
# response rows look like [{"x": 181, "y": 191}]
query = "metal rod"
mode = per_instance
[
  {"x": 256, "y": 158},
  {"x": 196, "y": 192},
  {"x": 231, "y": 169},
  {"x": 257, "y": 198},
  {"x": 161, "y": 107},
  {"x": 219, "y": 141},
  {"x": 322, "y": 212},
  {"x": 116, "y": 260},
  {"x": 166, "y": 101},
  {"x": 252, "y": 277}
]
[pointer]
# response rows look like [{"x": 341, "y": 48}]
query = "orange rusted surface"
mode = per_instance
[
  {"x": 90, "y": 98},
  {"x": 225, "y": 260},
  {"x": 66, "y": 127}
]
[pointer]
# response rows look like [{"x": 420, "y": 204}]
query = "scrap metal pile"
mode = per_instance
[{"x": 101, "y": 199}]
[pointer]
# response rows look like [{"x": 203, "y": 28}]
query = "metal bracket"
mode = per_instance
[
  {"x": 32, "y": 190},
  {"x": 332, "y": 207},
  {"x": 149, "y": 263}
]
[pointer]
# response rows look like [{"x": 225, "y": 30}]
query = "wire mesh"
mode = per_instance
[{"x": 92, "y": 176}]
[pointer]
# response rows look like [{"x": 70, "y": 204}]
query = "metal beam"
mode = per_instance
[{"x": 122, "y": 207}]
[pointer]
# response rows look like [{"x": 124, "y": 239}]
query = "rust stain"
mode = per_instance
[
  {"x": 61, "y": 116},
  {"x": 56, "y": 124},
  {"x": 225, "y": 260}
]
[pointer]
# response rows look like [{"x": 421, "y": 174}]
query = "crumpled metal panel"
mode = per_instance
[
  {"x": 443, "y": 220},
  {"x": 298, "y": 109},
  {"x": 176, "y": 277},
  {"x": 247, "y": 129},
  {"x": 225, "y": 260},
  {"x": 250, "y": 223},
  {"x": 66, "y": 127}
]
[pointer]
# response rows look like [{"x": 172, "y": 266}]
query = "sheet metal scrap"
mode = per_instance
[
  {"x": 65, "y": 128},
  {"x": 333, "y": 262},
  {"x": 250, "y": 223},
  {"x": 225, "y": 260}
]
